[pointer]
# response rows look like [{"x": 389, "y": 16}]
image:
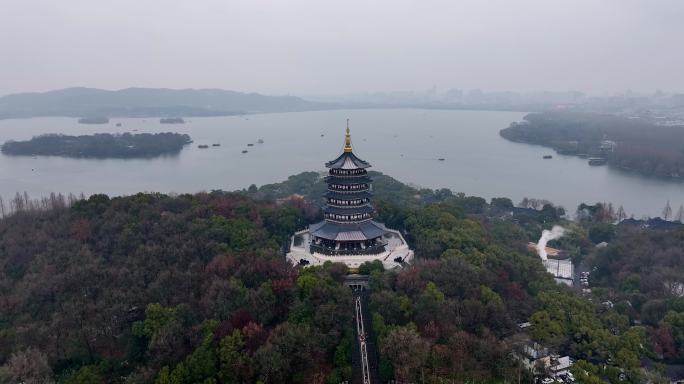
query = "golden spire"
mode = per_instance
[{"x": 347, "y": 140}]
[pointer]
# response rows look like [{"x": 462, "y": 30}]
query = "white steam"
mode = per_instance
[{"x": 555, "y": 233}]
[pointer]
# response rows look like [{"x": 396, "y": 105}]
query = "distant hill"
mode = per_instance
[{"x": 146, "y": 102}]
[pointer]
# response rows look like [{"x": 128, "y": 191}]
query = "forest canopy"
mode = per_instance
[{"x": 153, "y": 288}]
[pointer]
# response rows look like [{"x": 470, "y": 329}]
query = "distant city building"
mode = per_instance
[
  {"x": 608, "y": 146},
  {"x": 348, "y": 234}
]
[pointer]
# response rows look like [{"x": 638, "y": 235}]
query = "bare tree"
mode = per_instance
[
  {"x": 611, "y": 213},
  {"x": 667, "y": 211},
  {"x": 680, "y": 214},
  {"x": 29, "y": 366},
  {"x": 621, "y": 214},
  {"x": 535, "y": 204},
  {"x": 2, "y": 207}
]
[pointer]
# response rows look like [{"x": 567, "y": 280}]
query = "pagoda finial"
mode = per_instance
[{"x": 347, "y": 140}]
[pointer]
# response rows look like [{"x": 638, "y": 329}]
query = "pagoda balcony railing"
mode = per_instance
[
  {"x": 372, "y": 250},
  {"x": 341, "y": 175},
  {"x": 354, "y": 221},
  {"x": 349, "y": 190},
  {"x": 348, "y": 205}
]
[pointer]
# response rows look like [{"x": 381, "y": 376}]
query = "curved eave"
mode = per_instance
[
  {"x": 347, "y": 160},
  {"x": 331, "y": 231}
]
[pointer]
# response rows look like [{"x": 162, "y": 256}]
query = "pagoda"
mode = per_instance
[{"x": 348, "y": 233}]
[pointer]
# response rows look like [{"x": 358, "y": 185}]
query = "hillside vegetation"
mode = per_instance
[{"x": 163, "y": 289}]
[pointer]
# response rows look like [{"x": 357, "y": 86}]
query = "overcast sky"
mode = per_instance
[{"x": 331, "y": 47}]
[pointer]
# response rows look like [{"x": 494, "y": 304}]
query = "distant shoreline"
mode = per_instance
[
  {"x": 341, "y": 107},
  {"x": 635, "y": 146}
]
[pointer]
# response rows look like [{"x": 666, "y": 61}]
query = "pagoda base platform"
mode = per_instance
[{"x": 395, "y": 253}]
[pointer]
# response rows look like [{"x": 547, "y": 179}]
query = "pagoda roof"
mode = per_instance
[
  {"x": 348, "y": 232},
  {"x": 351, "y": 210},
  {"x": 347, "y": 160},
  {"x": 352, "y": 195}
]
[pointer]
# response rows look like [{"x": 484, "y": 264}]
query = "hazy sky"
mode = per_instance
[{"x": 328, "y": 47}]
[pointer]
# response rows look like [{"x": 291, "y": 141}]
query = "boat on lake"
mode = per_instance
[
  {"x": 250, "y": 145},
  {"x": 216, "y": 145},
  {"x": 203, "y": 146},
  {"x": 244, "y": 151},
  {"x": 260, "y": 141},
  {"x": 547, "y": 157}
]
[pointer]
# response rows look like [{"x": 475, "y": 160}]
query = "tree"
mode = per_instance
[
  {"x": 29, "y": 367},
  {"x": 85, "y": 375},
  {"x": 369, "y": 266},
  {"x": 621, "y": 215},
  {"x": 406, "y": 351},
  {"x": 525, "y": 203},
  {"x": 600, "y": 232},
  {"x": 234, "y": 362},
  {"x": 680, "y": 214},
  {"x": 502, "y": 203},
  {"x": 667, "y": 211}
]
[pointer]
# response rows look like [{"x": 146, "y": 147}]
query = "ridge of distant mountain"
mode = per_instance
[{"x": 147, "y": 102}]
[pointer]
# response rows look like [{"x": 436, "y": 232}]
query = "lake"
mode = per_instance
[{"x": 403, "y": 143}]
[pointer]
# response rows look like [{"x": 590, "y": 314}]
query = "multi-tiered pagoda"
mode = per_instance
[{"x": 348, "y": 234}]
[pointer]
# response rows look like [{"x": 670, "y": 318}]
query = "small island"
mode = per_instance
[
  {"x": 100, "y": 145},
  {"x": 93, "y": 120},
  {"x": 172, "y": 120}
]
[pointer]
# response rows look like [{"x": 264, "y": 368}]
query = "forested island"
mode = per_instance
[
  {"x": 631, "y": 144},
  {"x": 153, "y": 288},
  {"x": 172, "y": 120},
  {"x": 93, "y": 120},
  {"x": 101, "y": 145}
]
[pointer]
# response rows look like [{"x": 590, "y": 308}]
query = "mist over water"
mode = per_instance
[{"x": 403, "y": 143}]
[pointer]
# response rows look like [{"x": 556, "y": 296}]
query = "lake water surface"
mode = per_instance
[{"x": 403, "y": 143}]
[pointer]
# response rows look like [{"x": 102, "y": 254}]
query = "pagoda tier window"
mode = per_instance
[
  {"x": 349, "y": 187},
  {"x": 334, "y": 216},
  {"x": 348, "y": 172},
  {"x": 347, "y": 202}
]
